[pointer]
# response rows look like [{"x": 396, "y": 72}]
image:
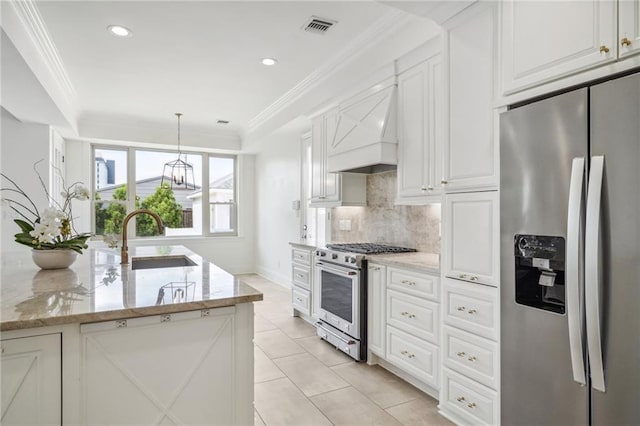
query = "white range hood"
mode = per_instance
[{"x": 361, "y": 134}]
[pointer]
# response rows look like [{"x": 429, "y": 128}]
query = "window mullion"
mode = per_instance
[
  {"x": 131, "y": 188},
  {"x": 206, "y": 207}
]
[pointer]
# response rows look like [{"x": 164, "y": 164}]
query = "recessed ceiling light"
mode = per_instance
[
  {"x": 269, "y": 61},
  {"x": 119, "y": 30}
]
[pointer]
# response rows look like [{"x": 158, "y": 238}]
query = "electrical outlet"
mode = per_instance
[{"x": 345, "y": 224}]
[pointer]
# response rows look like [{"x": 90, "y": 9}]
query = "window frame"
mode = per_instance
[{"x": 206, "y": 204}]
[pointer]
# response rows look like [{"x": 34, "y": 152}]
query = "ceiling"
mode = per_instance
[{"x": 201, "y": 58}]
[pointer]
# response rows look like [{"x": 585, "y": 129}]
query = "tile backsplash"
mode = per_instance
[{"x": 385, "y": 223}]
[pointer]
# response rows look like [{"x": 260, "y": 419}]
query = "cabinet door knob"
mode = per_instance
[
  {"x": 625, "y": 42},
  {"x": 604, "y": 49}
]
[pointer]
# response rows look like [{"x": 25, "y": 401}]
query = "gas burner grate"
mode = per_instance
[{"x": 368, "y": 248}]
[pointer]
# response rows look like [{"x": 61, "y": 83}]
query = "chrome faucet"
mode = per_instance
[{"x": 124, "y": 253}]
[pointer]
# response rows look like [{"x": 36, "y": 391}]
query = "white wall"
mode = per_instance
[
  {"x": 277, "y": 185},
  {"x": 22, "y": 145}
]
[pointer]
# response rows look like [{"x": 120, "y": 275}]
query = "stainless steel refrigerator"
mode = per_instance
[{"x": 570, "y": 257}]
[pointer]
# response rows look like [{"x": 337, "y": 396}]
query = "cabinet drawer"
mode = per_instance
[
  {"x": 471, "y": 355},
  {"x": 301, "y": 300},
  {"x": 415, "y": 356},
  {"x": 471, "y": 307},
  {"x": 413, "y": 315},
  {"x": 302, "y": 257},
  {"x": 469, "y": 400},
  {"x": 300, "y": 275},
  {"x": 414, "y": 283}
]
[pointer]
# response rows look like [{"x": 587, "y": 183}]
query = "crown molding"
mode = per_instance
[
  {"x": 31, "y": 20},
  {"x": 389, "y": 23}
]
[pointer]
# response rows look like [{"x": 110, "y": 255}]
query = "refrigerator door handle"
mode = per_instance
[
  {"x": 574, "y": 270},
  {"x": 593, "y": 273}
]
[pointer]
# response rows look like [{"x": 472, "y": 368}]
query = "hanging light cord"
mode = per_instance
[{"x": 179, "y": 114}]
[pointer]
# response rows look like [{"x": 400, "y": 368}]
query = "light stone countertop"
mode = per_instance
[
  {"x": 425, "y": 262},
  {"x": 97, "y": 288},
  {"x": 303, "y": 245}
]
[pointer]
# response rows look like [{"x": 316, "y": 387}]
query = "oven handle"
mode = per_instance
[{"x": 348, "y": 273}]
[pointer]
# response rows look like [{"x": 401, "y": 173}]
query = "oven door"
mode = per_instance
[{"x": 339, "y": 297}]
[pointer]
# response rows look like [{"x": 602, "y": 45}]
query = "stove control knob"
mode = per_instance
[
  {"x": 334, "y": 256},
  {"x": 317, "y": 252},
  {"x": 352, "y": 260},
  {"x": 322, "y": 254}
]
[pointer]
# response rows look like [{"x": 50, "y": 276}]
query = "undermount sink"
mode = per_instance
[{"x": 161, "y": 262}]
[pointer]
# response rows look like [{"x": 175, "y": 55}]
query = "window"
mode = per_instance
[{"x": 176, "y": 194}]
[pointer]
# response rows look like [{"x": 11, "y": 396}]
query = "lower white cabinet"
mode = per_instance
[
  {"x": 302, "y": 281},
  {"x": 165, "y": 369},
  {"x": 467, "y": 401},
  {"x": 471, "y": 353},
  {"x": 404, "y": 321},
  {"x": 413, "y": 355},
  {"x": 32, "y": 380},
  {"x": 376, "y": 307}
]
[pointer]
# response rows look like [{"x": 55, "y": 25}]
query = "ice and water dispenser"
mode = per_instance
[{"x": 539, "y": 266}]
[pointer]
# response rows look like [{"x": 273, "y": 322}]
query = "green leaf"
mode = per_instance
[{"x": 24, "y": 226}]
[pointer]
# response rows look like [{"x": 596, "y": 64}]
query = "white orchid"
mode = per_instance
[{"x": 53, "y": 227}]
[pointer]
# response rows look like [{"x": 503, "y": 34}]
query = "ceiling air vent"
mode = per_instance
[{"x": 318, "y": 25}]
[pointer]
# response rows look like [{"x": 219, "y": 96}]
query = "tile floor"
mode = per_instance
[{"x": 301, "y": 380}]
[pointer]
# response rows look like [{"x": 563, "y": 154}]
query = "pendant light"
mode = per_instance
[{"x": 179, "y": 173}]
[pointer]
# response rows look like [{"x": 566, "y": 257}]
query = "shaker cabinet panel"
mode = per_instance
[
  {"x": 471, "y": 148},
  {"x": 32, "y": 380},
  {"x": 376, "y": 303},
  {"x": 471, "y": 237},
  {"x": 421, "y": 129},
  {"x": 539, "y": 45},
  {"x": 629, "y": 27}
]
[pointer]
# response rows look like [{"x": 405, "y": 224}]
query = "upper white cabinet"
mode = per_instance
[
  {"x": 32, "y": 380},
  {"x": 629, "y": 27},
  {"x": 420, "y": 129},
  {"x": 471, "y": 144},
  {"x": 545, "y": 41},
  {"x": 331, "y": 189},
  {"x": 471, "y": 237}
]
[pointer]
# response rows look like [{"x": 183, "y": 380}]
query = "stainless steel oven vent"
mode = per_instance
[{"x": 318, "y": 25}]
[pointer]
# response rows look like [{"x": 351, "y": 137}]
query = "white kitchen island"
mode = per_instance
[{"x": 102, "y": 343}]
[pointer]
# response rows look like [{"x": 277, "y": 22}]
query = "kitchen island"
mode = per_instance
[{"x": 104, "y": 343}]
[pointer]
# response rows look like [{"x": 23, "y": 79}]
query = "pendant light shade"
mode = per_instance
[{"x": 179, "y": 173}]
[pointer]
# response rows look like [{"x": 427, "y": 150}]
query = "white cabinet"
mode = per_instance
[
  {"x": 302, "y": 280},
  {"x": 471, "y": 143},
  {"x": 471, "y": 237},
  {"x": 628, "y": 27},
  {"x": 331, "y": 189},
  {"x": 545, "y": 41},
  {"x": 471, "y": 353},
  {"x": 376, "y": 307},
  {"x": 32, "y": 380},
  {"x": 420, "y": 130},
  {"x": 179, "y": 368}
]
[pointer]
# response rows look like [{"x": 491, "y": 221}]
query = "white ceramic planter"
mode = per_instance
[{"x": 53, "y": 259}]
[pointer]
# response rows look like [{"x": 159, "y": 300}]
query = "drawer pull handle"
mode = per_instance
[
  {"x": 462, "y": 275},
  {"x": 473, "y": 278},
  {"x": 298, "y": 299},
  {"x": 412, "y": 356},
  {"x": 472, "y": 359},
  {"x": 404, "y": 352},
  {"x": 412, "y": 316},
  {"x": 299, "y": 275},
  {"x": 408, "y": 282},
  {"x": 374, "y": 268},
  {"x": 460, "y": 399},
  {"x": 461, "y": 354},
  {"x": 471, "y": 405},
  {"x": 407, "y": 354},
  {"x": 472, "y": 311},
  {"x": 461, "y": 308},
  {"x": 404, "y": 314}
]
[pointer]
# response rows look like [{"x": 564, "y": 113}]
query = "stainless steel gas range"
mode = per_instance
[{"x": 342, "y": 283}]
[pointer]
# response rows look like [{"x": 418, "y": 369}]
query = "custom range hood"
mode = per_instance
[{"x": 361, "y": 134}]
